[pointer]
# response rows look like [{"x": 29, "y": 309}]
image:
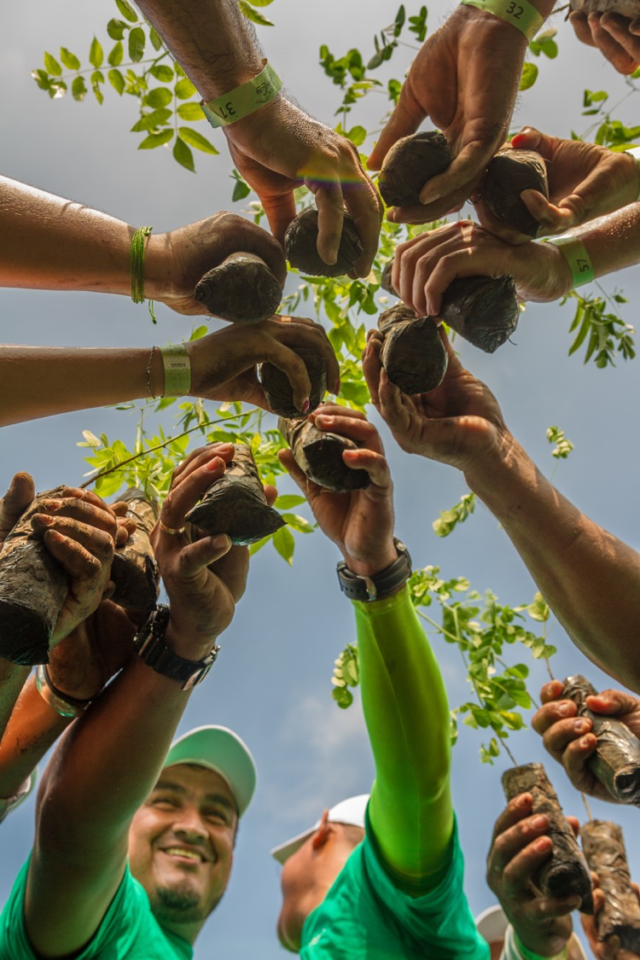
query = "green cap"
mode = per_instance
[{"x": 221, "y": 750}]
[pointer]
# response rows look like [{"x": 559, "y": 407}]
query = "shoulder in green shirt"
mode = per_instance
[
  {"x": 129, "y": 930},
  {"x": 365, "y": 915}
]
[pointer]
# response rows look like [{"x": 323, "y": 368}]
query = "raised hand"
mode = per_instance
[
  {"x": 617, "y": 38},
  {"x": 360, "y": 522}
]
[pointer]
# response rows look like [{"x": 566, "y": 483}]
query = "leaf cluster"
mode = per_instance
[
  {"x": 604, "y": 332},
  {"x": 563, "y": 446}
]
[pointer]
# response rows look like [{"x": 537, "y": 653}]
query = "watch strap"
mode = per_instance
[
  {"x": 150, "y": 646},
  {"x": 387, "y": 581}
]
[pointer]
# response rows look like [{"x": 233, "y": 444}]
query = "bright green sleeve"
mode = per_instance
[{"x": 407, "y": 716}]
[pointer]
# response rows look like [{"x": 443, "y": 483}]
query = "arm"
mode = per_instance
[
  {"x": 465, "y": 79},
  {"x": 41, "y": 381},
  {"x": 589, "y": 578},
  {"x": 279, "y": 147},
  {"x": 403, "y": 697},
  {"x": 50, "y": 243},
  {"x": 425, "y": 266},
  {"x": 93, "y": 786}
]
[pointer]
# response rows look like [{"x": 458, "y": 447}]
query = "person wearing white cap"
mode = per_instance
[
  {"x": 134, "y": 837},
  {"x": 381, "y": 877}
]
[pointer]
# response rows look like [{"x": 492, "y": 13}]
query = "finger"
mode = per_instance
[
  {"x": 551, "y": 713},
  {"x": 280, "y": 211},
  {"x": 270, "y": 493},
  {"x": 371, "y": 367},
  {"x": 82, "y": 511},
  {"x": 559, "y": 737},
  {"x": 16, "y": 500},
  {"x": 609, "y": 46},
  {"x": 309, "y": 489},
  {"x": 374, "y": 463},
  {"x": 613, "y": 702},
  {"x": 531, "y": 139},
  {"x": 196, "y": 557},
  {"x": 553, "y": 690},
  {"x": 330, "y": 220},
  {"x": 295, "y": 332},
  {"x": 550, "y": 217},
  {"x": 98, "y": 542},
  {"x": 77, "y": 561},
  {"x": 517, "y": 809},
  {"x": 187, "y": 493},
  {"x": 354, "y": 428},
  {"x": 520, "y": 850},
  {"x": 198, "y": 458},
  {"x": 618, "y": 27},
  {"x": 574, "y": 823},
  {"x": 295, "y": 370},
  {"x": 127, "y": 526},
  {"x": 582, "y": 30},
  {"x": 365, "y": 206},
  {"x": 87, "y": 496}
]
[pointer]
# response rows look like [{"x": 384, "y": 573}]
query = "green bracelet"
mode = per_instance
[
  {"x": 136, "y": 265},
  {"x": 245, "y": 99},
  {"x": 177, "y": 370},
  {"x": 530, "y": 955},
  {"x": 521, "y": 14},
  {"x": 575, "y": 253}
]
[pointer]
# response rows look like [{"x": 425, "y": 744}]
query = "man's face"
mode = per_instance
[{"x": 181, "y": 843}]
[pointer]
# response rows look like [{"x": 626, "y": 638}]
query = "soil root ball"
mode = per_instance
[
  {"x": 277, "y": 388},
  {"x": 301, "y": 251},
  {"x": 318, "y": 453},
  {"x": 604, "y": 849},
  {"x": 409, "y": 164},
  {"x": 508, "y": 174},
  {"x": 624, "y": 8},
  {"x": 413, "y": 355},
  {"x": 616, "y": 761},
  {"x": 566, "y": 872},
  {"x": 482, "y": 310},
  {"x": 241, "y": 289},
  {"x": 33, "y": 589},
  {"x": 134, "y": 569},
  {"x": 236, "y": 504}
]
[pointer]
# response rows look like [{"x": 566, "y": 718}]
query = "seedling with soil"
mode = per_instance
[
  {"x": 318, "y": 453},
  {"x": 279, "y": 392},
  {"x": 413, "y": 355},
  {"x": 242, "y": 289},
  {"x": 300, "y": 246}
]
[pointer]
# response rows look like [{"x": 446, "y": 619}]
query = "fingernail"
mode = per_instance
[
  {"x": 44, "y": 519},
  {"x": 429, "y": 195},
  {"x": 539, "y": 822},
  {"x": 541, "y": 844},
  {"x": 580, "y": 726},
  {"x": 564, "y": 709},
  {"x": 336, "y": 388},
  {"x": 305, "y": 405},
  {"x": 52, "y": 504},
  {"x": 221, "y": 541},
  {"x": 585, "y": 742},
  {"x": 325, "y": 420},
  {"x": 213, "y": 464}
]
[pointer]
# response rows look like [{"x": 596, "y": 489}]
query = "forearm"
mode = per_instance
[
  {"x": 12, "y": 680},
  {"x": 42, "y": 381},
  {"x": 213, "y": 43},
  {"x": 32, "y": 729},
  {"x": 407, "y": 715},
  {"x": 613, "y": 241},
  {"x": 589, "y": 578}
]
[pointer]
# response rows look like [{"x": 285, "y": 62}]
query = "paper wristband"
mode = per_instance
[
  {"x": 177, "y": 370},
  {"x": 514, "y": 950},
  {"x": 575, "y": 253},
  {"x": 635, "y": 153},
  {"x": 245, "y": 99},
  {"x": 521, "y": 14}
]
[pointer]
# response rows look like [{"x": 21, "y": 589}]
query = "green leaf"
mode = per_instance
[
  {"x": 342, "y": 696},
  {"x": 196, "y": 140},
  {"x": 158, "y": 97},
  {"x": 116, "y": 80},
  {"x": 199, "y": 332},
  {"x": 248, "y": 11},
  {"x": 529, "y": 76},
  {"x": 357, "y": 135},
  {"x": 183, "y": 155},
  {"x": 297, "y": 523},
  {"x": 96, "y": 55},
  {"x": 69, "y": 59},
  {"x": 156, "y": 140},
  {"x": 78, "y": 88},
  {"x": 162, "y": 72},
  {"x": 241, "y": 188},
  {"x": 156, "y": 118},
  {"x": 288, "y": 500},
  {"x": 184, "y": 89},
  {"x": 285, "y": 544},
  {"x": 52, "y": 65},
  {"x": 41, "y": 77},
  {"x": 190, "y": 111},
  {"x": 156, "y": 39},
  {"x": 260, "y": 3},
  {"x": 127, "y": 11},
  {"x": 116, "y": 29},
  {"x": 116, "y": 55},
  {"x": 137, "y": 41}
]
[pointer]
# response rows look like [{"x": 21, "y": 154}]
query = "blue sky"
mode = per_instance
[{"x": 272, "y": 680}]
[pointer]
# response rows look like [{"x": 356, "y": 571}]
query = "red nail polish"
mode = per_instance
[{"x": 305, "y": 406}]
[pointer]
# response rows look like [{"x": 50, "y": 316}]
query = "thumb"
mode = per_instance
[
  {"x": 405, "y": 120},
  {"x": 550, "y": 217},
  {"x": 16, "y": 500},
  {"x": 280, "y": 211}
]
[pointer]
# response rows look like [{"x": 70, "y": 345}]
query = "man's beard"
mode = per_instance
[{"x": 179, "y": 903}]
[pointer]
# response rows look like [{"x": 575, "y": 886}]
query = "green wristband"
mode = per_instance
[
  {"x": 177, "y": 370},
  {"x": 245, "y": 99},
  {"x": 575, "y": 253},
  {"x": 530, "y": 955},
  {"x": 521, "y": 14}
]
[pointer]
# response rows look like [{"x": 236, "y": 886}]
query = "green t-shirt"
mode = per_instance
[
  {"x": 365, "y": 915},
  {"x": 129, "y": 930}
]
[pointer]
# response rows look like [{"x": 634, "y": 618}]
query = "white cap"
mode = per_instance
[
  {"x": 221, "y": 750},
  {"x": 492, "y": 924},
  {"x": 350, "y": 812}
]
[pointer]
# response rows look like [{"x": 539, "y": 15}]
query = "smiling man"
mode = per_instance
[{"x": 134, "y": 837}]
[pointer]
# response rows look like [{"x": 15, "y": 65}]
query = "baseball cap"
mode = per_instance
[
  {"x": 350, "y": 812},
  {"x": 221, "y": 750},
  {"x": 492, "y": 924}
]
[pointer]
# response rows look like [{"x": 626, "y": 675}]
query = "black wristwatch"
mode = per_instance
[
  {"x": 150, "y": 646},
  {"x": 385, "y": 582}
]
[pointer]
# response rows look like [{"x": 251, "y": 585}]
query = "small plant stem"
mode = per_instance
[
  {"x": 78, "y": 73},
  {"x": 586, "y": 803},
  {"x": 511, "y": 756}
]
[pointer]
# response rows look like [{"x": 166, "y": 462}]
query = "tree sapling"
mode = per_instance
[
  {"x": 134, "y": 569},
  {"x": 409, "y": 164},
  {"x": 242, "y": 289},
  {"x": 278, "y": 390},
  {"x": 413, "y": 355},
  {"x": 300, "y": 246},
  {"x": 236, "y": 504},
  {"x": 318, "y": 453},
  {"x": 508, "y": 174},
  {"x": 603, "y": 846}
]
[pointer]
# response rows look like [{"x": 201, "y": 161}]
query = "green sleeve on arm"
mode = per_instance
[{"x": 407, "y": 716}]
